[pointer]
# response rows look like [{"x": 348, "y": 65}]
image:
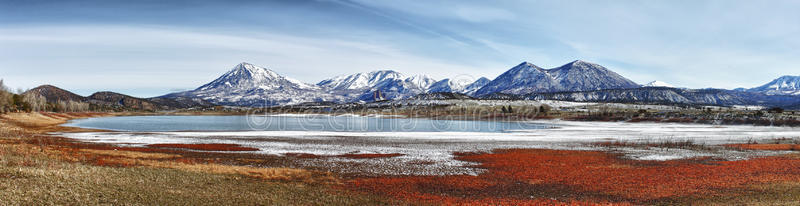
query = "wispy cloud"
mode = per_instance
[{"x": 716, "y": 43}]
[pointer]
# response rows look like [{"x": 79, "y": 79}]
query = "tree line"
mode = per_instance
[{"x": 32, "y": 102}]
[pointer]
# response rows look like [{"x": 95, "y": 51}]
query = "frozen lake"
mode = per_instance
[
  {"x": 420, "y": 140},
  {"x": 322, "y": 123}
]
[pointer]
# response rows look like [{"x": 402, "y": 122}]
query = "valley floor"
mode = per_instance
[{"x": 37, "y": 168}]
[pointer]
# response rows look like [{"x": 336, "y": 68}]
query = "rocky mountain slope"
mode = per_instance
[
  {"x": 575, "y": 76},
  {"x": 785, "y": 85},
  {"x": 470, "y": 89},
  {"x": 250, "y": 85},
  {"x": 54, "y": 94},
  {"x": 672, "y": 96},
  {"x": 114, "y": 100}
]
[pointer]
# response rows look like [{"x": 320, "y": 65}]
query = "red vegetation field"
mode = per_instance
[
  {"x": 533, "y": 176},
  {"x": 206, "y": 147}
]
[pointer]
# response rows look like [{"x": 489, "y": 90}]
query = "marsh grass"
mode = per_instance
[{"x": 663, "y": 144}]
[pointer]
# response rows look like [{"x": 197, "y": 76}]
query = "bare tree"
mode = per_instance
[
  {"x": 5, "y": 98},
  {"x": 37, "y": 102},
  {"x": 72, "y": 106}
]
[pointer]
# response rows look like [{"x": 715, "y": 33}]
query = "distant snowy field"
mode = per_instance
[{"x": 438, "y": 147}]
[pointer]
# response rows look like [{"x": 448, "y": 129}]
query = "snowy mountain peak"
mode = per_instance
[
  {"x": 462, "y": 84},
  {"x": 249, "y": 85},
  {"x": 359, "y": 80},
  {"x": 785, "y": 85},
  {"x": 521, "y": 79},
  {"x": 254, "y": 71},
  {"x": 245, "y": 75},
  {"x": 245, "y": 64},
  {"x": 524, "y": 69},
  {"x": 473, "y": 87},
  {"x": 582, "y": 63},
  {"x": 247, "y": 67},
  {"x": 526, "y": 64},
  {"x": 586, "y": 76},
  {"x": 657, "y": 83},
  {"x": 446, "y": 85},
  {"x": 786, "y": 82},
  {"x": 482, "y": 80},
  {"x": 421, "y": 80}
]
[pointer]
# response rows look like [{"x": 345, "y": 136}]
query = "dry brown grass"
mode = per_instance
[
  {"x": 29, "y": 176},
  {"x": 35, "y": 119},
  {"x": 33, "y": 171},
  {"x": 130, "y": 154},
  {"x": 36, "y": 122}
]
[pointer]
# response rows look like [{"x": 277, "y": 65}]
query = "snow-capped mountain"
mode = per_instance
[
  {"x": 249, "y": 85},
  {"x": 246, "y": 76},
  {"x": 392, "y": 89},
  {"x": 447, "y": 85},
  {"x": 584, "y": 76},
  {"x": 785, "y": 85},
  {"x": 521, "y": 79},
  {"x": 359, "y": 80},
  {"x": 458, "y": 85},
  {"x": 575, "y": 76},
  {"x": 657, "y": 83},
  {"x": 376, "y": 85},
  {"x": 473, "y": 87},
  {"x": 420, "y": 80}
]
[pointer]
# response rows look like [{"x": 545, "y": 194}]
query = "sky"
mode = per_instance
[{"x": 153, "y": 47}]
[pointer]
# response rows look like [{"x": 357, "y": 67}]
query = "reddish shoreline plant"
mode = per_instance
[{"x": 528, "y": 176}]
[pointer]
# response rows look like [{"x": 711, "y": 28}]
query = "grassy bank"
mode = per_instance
[{"x": 33, "y": 172}]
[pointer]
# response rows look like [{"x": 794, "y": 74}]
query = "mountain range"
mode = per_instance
[{"x": 249, "y": 85}]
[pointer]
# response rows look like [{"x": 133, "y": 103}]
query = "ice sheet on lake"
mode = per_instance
[{"x": 436, "y": 148}]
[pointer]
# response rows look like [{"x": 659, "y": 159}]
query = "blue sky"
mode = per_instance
[{"x": 149, "y": 48}]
